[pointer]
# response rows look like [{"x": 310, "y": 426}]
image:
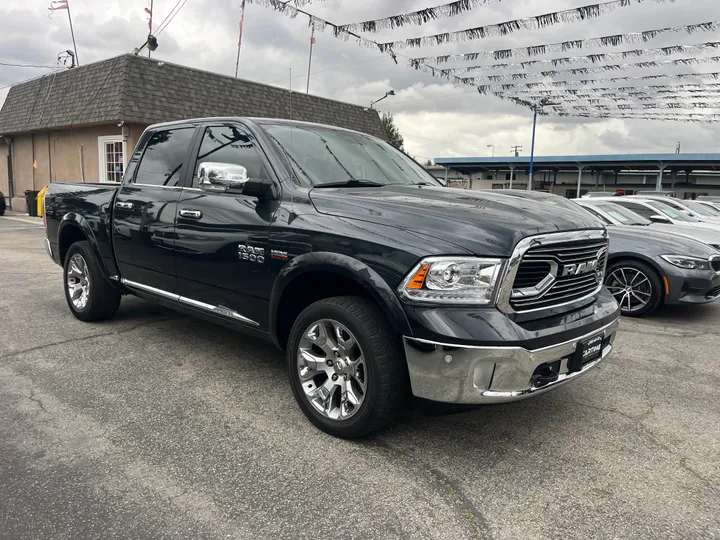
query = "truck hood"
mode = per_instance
[
  {"x": 485, "y": 223},
  {"x": 625, "y": 239}
]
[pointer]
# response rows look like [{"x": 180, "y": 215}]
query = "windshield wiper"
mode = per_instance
[{"x": 355, "y": 182}]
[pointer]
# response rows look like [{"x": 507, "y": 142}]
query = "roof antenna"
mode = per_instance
[{"x": 64, "y": 56}]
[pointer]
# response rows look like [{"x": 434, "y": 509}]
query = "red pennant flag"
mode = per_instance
[
  {"x": 147, "y": 10},
  {"x": 313, "y": 40}
]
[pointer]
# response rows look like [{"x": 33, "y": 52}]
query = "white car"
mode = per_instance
[
  {"x": 616, "y": 214},
  {"x": 710, "y": 204},
  {"x": 692, "y": 208}
]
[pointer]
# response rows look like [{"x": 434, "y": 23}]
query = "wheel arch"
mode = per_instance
[
  {"x": 637, "y": 257},
  {"x": 318, "y": 275},
  {"x": 75, "y": 228}
]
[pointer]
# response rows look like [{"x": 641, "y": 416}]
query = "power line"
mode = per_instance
[
  {"x": 26, "y": 65},
  {"x": 28, "y": 80},
  {"x": 161, "y": 27},
  {"x": 330, "y": 69}
]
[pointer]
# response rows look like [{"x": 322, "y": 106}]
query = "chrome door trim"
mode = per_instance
[
  {"x": 215, "y": 310},
  {"x": 153, "y": 290}
]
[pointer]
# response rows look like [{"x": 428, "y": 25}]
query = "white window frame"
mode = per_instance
[{"x": 102, "y": 163}]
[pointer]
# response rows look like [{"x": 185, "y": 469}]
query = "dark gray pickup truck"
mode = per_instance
[{"x": 377, "y": 281}]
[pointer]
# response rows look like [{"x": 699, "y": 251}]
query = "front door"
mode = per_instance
[
  {"x": 146, "y": 208},
  {"x": 222, "y": 238}
]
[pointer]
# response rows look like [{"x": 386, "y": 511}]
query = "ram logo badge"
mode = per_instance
[
  {"x": 579, "y": 269},
  {"x": 252, "y": 254}
]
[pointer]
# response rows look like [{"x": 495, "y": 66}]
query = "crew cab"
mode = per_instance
[{"x": 377, "y": 281}]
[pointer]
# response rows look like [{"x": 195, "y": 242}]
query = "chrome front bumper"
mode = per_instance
[{"x": 475, "y": 375}]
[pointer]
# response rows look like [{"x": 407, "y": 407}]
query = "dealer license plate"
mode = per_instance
[{"x": 587, "y": 351}]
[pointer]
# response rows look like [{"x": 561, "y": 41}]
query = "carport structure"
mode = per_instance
[{"x": 664, "y": 166}]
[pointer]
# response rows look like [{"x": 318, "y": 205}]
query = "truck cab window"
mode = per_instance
[
  {"x": 162, "y": 161},
  {"x": 230, "y": 144}
]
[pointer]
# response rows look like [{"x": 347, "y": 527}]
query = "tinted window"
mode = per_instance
[
  {"x": 644, "y": 211},
  {"x": 231, "y": 144},
  {"x": 322, "y": 155},
  {"x": 623, "y": 215},
  {"x": 162, "y": 161},
  {"x": 672, "y": 213},
  {"x": 597, "y": 214}
]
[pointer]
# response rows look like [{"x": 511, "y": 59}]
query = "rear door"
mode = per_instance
[
  {"x": 222, "y": 238},
  {"x": 145, "y": 209}
]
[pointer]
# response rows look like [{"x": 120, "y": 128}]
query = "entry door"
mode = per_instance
[
  {"x": 222, "y": 238},
  {"x": 146, "y": 208}
]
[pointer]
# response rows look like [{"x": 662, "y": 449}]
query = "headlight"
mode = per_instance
[
  {"x": 687, "y": 262},
  {"x": 453, "y": 280}
]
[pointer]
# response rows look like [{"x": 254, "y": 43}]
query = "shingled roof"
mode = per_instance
[{"x": 136, "y": 89}]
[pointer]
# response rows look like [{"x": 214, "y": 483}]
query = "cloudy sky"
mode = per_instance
[{"x": 437, "y": 119}]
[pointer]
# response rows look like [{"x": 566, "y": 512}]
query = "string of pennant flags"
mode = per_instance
[
  {"x": 578, "y": 14},
  {"x": 613, "y": 40},
  {"x": 581, "y": 95},
  {"x": 591, "y": 58},
  {"x": 551, "y": 74}
]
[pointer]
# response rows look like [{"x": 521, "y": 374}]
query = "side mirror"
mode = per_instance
[
  {"x": 221, "y": 176},
  {"x": 657, "y": 218}
]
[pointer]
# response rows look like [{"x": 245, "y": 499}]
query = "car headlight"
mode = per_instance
[
  {"x": 453, "y": 280},
  {"x": 687, "y": 262}
]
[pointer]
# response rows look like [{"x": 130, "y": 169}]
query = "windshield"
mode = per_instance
[
  {"x": 702, "y": 209},
  {"x": 321, "y": 155},
  {"x": 670, "y": 212},
  {"x": 623, "y": 215}
]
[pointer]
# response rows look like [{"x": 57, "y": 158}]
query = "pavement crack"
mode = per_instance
[
  {"x": 37, "y": 400},
  {"x": 637, "y": 422},
  {"x": 85, "y": 338},
  {"x": 472, "y": 515}
]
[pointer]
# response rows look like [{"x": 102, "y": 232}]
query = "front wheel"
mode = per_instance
[
  {"x": 88, "y": 295},
  {"x": 635, "y": 286},
  {"x": 346, "y": 367}
]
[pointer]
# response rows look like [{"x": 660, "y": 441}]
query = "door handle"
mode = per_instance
[
  {"x": 124, "y": 205},
  {"x": 191, "y": 214}
]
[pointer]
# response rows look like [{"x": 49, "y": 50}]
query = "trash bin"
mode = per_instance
[{"x": 31, "y": 200}]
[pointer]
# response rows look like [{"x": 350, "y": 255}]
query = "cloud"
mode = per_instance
[{"x": 437, "y": 118}]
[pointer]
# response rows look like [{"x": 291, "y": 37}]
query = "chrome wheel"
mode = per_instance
[
  {"x": 332, "y": 369},
  {"x": 78, "y": 281},
  {"x": 631, "y": 288}
]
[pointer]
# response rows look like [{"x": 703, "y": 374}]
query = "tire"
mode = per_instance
[
  {"x": 646, "y": 285},
  {"x": 101, "y": 300},
  {"x": 383, "y": 368}
]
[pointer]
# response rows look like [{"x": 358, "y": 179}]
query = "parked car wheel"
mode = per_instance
[
  {"x": 346, "y": 367},
  {"x": 635, "y": 286},
  {"x": 88, "y": 295}
]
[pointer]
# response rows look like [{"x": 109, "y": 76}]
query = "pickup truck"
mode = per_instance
[{"x": 378, "y": 282}]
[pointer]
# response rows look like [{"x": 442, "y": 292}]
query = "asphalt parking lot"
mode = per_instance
[{"x": 157, "y": 425}]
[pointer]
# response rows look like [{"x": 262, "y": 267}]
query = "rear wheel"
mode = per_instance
[
  {"x": 88, "y": 295},
  {"x": 346, "y": 367},
  {"x": 635, "y": 286}
]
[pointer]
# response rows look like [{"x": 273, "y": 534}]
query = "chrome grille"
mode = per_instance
[{"x": 576, "y": 273}]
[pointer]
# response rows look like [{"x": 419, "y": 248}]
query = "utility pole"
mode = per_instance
[
  {"x": 516, "y": 150},
  {"x": 150, "y": 25}
]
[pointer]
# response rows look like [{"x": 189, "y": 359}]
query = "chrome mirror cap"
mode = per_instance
[{"x": 221, "y": 176}]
